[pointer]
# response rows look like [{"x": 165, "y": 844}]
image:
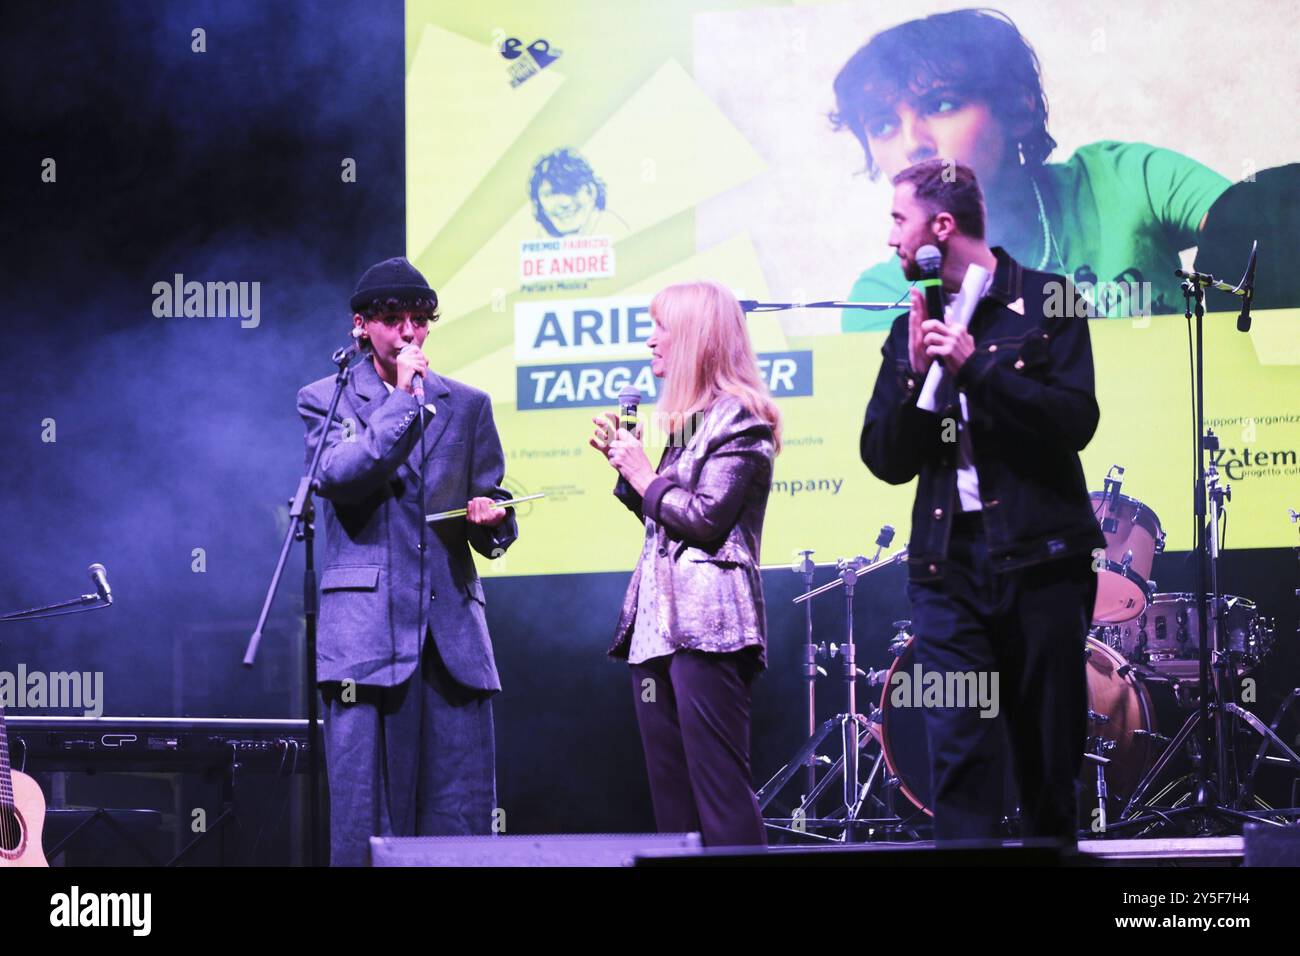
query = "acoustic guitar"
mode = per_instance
[{"x": 22, "y": 812}]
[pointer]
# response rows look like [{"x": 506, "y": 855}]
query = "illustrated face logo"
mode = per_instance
[{"x": 526, "y": 62}]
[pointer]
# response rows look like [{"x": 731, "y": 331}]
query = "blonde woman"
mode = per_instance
[{"x": 693, "y": 627}]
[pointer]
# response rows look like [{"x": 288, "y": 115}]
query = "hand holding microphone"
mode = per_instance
[
  {"x": 411, "y": 368},
  {"x": 916, "y": 316},
  {"x": 606, "y": 428},
  {"x": 628, "y": 456},
  {"x": 950, "y": 344},
  {"x": 948, "y": 340},
  {"x": 607, "y": 425},
  {"x": 621, "y": 446}
]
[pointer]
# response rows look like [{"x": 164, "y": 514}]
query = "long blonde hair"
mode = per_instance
[{"x": 710, "y": 355}]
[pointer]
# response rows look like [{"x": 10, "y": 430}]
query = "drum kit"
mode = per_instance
[
  {"x": 1144, "y": 653},
  {"x": 1143, "y": 678}
]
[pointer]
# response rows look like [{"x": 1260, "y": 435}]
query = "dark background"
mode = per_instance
[{"x": 176, "y": 434}]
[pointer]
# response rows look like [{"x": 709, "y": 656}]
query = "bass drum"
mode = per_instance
[{"x": 1121, "y": 723}]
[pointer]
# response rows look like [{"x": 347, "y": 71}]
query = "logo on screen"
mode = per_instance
[{"x": 526, "y": 62}]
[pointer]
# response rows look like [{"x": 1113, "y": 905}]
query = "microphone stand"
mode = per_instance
[
  {"x": 86, "y": 602},
  {"x": 753, "y": 305},
  {"x": 302, "y": 514},
  {"x": 1219, "y": 799}
]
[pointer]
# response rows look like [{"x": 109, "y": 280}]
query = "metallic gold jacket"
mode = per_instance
[{"x": 707, "y": 503}]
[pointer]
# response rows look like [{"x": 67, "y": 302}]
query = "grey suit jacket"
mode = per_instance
[
  {"x": 374, "y": 594},
  {"x": 708, "y": 503}
]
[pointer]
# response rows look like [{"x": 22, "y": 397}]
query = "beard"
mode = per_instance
[{"x": 911, "y": 270}]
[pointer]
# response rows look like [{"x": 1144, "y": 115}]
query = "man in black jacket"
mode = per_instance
[{"x": 1001, "y": 576}]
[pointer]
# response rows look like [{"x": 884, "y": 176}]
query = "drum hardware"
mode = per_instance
[
  {"x": 902, "y": 637},
  {"x": 1137, "y": 812},
  {"x": 811, "y": 669},
  {"x": 1100, "y": 747},
  {"x": 875, "y": 678},
  {"x": 854, "y": 729},
  {"x": 1261, "y": 755},
  {"x": 1151, "y": 735},
  {"x": 1113, "y": 482}
]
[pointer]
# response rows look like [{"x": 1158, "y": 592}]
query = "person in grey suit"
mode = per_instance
[
  {"x": 693, "y": 626},
  {"x": 405, "y": 661}
]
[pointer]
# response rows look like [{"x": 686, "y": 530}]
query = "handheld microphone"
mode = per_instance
[
  {"x": 417, "y": 380},
  {"x": 99, "y": 574},
  {"x": 963, "y": 307},
  {"x": 629, "y": 400},
  {"x": 930, "y": 261}
]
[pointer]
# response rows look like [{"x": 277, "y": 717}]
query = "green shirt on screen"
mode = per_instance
[{"x": 1118, "y": 215}]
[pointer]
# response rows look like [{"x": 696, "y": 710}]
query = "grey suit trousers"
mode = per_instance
[{"x": 417, "y": 759}]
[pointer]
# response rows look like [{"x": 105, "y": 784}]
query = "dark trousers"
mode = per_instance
[
  {"x": 693, "y": 711},
  {"x": 1029, "y": 626},
  {"x": 413, "y": 760}
]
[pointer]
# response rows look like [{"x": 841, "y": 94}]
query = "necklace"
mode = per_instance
[{"x": 1042, "y": 218}]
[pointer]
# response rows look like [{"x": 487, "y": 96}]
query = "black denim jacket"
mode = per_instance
[{"x": 1029, "y": 394}]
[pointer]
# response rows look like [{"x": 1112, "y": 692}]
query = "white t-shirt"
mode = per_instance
[{"x": 968, "y": 482}]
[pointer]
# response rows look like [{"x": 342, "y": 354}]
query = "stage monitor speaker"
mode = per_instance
[
  {"x": 569, "y": 849},
  {"x": 1268, "y": 845}
]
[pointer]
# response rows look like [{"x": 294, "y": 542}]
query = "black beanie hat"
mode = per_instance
[{"x": 393, "y": 278}]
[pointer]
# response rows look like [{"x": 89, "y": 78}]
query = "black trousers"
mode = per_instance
[
  {"x": 1029, "y": 626},
  {"x": 693, "y": 711}
]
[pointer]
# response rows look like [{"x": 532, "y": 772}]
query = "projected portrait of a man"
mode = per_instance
[{"x": 569, "y": 198}]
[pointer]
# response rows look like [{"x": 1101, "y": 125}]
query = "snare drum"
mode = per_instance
[{"x": 1166, "y": 636}]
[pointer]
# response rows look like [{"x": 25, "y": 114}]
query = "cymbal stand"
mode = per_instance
[{"x": 856, "y": 740}]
